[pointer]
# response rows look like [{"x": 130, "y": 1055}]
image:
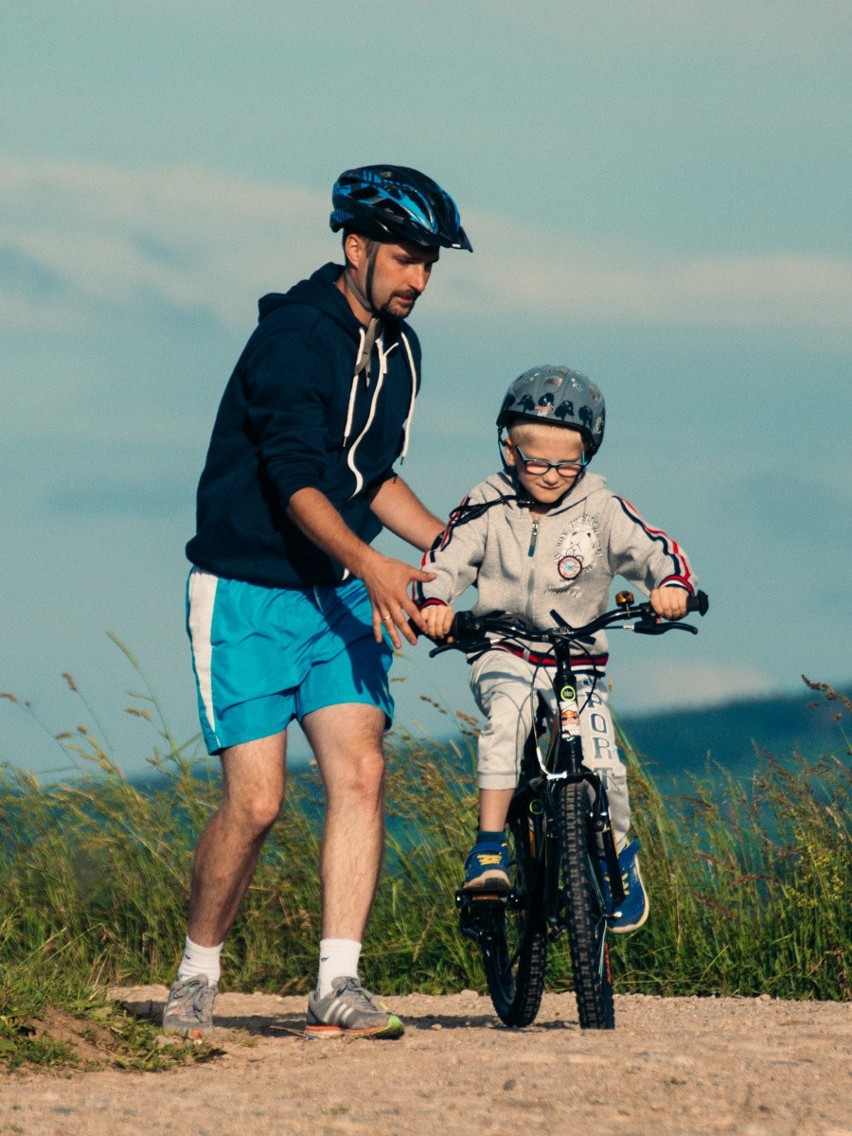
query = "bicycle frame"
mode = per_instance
[{"x": 534, "y": 805}]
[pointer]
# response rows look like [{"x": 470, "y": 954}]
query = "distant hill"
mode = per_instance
[{"x": 681, "y": 741}]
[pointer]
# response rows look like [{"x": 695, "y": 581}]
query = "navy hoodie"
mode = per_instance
[{"x": 295, "y": 415}]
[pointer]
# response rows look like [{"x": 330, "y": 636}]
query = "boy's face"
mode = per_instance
[{"x": 530, "y": 440}]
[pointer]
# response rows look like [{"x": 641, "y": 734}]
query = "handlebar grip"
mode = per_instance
[
  {"x": 465, "y": 626},
  {"x": 699, "y": 602}
]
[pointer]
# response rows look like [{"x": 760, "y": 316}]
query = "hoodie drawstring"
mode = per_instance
[
  {"x": 407, "y": 424},
  {"x": 362, "y": 364}
]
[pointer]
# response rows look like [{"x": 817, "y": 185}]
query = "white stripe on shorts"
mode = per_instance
[{"x": 202, "y": 598}]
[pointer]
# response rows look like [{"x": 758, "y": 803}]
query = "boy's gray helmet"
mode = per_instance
[{"x": 560, "y": 395}]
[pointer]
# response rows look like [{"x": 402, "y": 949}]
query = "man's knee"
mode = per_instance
[
  {"x": 264, "y": 813},
  {"x": 255, "y": 812},
  {"x": 362, "y": 775}
]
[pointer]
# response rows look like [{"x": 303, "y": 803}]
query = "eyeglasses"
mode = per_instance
[{"x": 539, "y": 466}]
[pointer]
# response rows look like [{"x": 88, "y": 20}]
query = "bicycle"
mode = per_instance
[{"x": 558, "y": 830}]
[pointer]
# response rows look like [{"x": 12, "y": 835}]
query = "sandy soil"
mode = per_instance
[{"x": 685, "y": 1066}]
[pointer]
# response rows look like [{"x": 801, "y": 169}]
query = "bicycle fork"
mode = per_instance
[{"x": 564, "y": 761}]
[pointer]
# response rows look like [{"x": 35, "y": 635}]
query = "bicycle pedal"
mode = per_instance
[{"x": 466, "y": 896}]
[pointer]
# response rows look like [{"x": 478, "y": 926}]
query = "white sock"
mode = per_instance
[
  {"x": 200, "y": 960},
  {"x": 338, "y": 959}
]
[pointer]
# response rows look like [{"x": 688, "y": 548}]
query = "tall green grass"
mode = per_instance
[{"x": 750, "y": 882}]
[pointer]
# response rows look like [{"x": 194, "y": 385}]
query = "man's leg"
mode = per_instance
[
  {"x": 226, "y": 856},
  {"x": 253, "y": 783},
  {"x": 347, "y": 742}
]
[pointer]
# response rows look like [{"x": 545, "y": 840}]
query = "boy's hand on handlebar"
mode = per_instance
[
  {"x": 437, "y": 620},
  {"x": 670, "y": 603}
]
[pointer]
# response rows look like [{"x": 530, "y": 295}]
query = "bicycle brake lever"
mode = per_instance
[
  {"x": 440, "y": 650},
  {"x": 662, "y": 628}
]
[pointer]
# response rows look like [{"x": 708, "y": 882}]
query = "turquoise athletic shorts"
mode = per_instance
[{"x": 264, "y": 656}]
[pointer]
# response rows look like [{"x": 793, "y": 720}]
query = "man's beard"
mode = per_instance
[{"x": 386, "y": 312}]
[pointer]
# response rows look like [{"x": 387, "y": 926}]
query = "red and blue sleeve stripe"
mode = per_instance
[{"x": 681, "y": 575}]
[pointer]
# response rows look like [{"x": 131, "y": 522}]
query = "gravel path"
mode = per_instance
[{"x": 685, "y": 1066}]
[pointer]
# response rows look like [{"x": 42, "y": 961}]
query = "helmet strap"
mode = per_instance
[
  {"x": 374, "y": 330},
  {"x": 365, "y": 298},
  {"x": 501, "y": 446}
]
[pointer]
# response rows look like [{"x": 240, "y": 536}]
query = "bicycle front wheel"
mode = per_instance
[
  {"x": 584, "y": 914},
  {"x": 514, "y": 954}
]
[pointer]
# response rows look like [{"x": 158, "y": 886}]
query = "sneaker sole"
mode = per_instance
[
  {"x": 391, "y": 1030},
  {"x": 191, "y": 1033},
  {"x": 489, "y": 881},
  {"x": 614, "y": 927}
]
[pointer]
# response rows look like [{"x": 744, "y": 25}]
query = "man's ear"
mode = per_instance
[
  {"x": 508, "y": 450},
  {"x": 356, "y": 248}
]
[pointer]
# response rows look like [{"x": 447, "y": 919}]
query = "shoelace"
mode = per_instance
[
  {"x": 364, "y": 996},
  {"x": 197, "y": 998}
]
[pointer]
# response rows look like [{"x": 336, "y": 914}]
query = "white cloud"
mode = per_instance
[
  {"x": 191, "y": 238},
  {"x": 523, "y": 268},
  {"x": 197, "y": 239},
  {"x": 657, "y": 686}
]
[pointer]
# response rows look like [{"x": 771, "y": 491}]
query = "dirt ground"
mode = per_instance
[{"x": 685, "y": 1066}]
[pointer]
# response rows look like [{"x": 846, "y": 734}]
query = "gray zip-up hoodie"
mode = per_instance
[{"x": 564, "y": 560}]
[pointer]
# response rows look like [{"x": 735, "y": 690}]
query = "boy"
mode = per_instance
[{"x": 543, "y": 535}]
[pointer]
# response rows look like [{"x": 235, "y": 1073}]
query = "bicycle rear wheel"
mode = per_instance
[
  {"x": 585, "y": 918},
  {"x": 514, "y": 951}
]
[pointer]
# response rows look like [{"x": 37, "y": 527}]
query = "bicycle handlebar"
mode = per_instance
[{"x": 469, "y": 632}]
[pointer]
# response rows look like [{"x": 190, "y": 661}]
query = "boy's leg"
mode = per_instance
[
  {"x": 486, "y": 866},
  {"x": 494, "y": 808},
  {"x": 501, "y": 685},
  {"x": 600, "y": 754}
]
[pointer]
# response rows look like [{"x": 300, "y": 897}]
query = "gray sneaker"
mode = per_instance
[
  {"x": 351, "y": 1011},
  {"x": 189, "y": 1009}
]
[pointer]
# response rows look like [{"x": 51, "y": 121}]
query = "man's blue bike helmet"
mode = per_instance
[{"x": 397, "y": 203}]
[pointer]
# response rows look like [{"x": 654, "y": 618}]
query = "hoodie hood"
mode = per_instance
[{"x": 318, "y": 291}]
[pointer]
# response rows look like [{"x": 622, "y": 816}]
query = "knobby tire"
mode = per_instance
[
  {"x": 514, "y": 953},
  {"x": 585, "y": 921}
]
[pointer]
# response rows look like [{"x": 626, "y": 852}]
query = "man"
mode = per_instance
[{"x": 291, "y": 613}]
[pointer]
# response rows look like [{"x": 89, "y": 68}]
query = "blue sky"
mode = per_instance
[{"x": 657, "y": 194}]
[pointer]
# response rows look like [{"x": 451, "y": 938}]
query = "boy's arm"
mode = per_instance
[
  {"x": 650, "y": 558},
  {"x": 454, "y": 558}
]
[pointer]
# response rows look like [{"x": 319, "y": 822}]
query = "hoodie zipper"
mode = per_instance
[
  {"x": 531, "y": 576},
  {"x": 533, "y": 538}
]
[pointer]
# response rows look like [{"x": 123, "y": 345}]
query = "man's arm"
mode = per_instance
[
  {"x": 405, "y": 515},
  {"x": 387, "y": 580}
]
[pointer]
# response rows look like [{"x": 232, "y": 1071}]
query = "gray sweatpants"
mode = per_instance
[{"x": 505, "y": 687}]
